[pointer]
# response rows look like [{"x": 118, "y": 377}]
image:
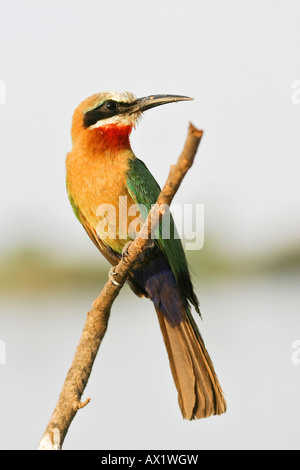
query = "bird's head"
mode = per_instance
[{"x": 116, "y": 113}]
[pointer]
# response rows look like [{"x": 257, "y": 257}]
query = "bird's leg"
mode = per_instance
[
  {"x": 125, "y": 251},
  {"x": 147, "y": 253},
  {"x": 111, "y": 275},
  {"x": 144, "y": 254}
]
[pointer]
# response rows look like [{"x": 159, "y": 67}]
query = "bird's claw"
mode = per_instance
[
  {"x": 111, "y": 275},
  {"x": 125, "y": 253}
]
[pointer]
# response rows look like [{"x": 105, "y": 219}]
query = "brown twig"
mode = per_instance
[{"x": 97, "y": 319}]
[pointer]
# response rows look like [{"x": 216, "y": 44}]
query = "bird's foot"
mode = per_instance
[
  {"x": 125, "y": 253},
  {"x": 111, "y": 275},
  {"x": 147, "y": 253}
]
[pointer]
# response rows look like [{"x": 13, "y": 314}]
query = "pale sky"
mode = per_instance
[{"x": 239, "y": 61}]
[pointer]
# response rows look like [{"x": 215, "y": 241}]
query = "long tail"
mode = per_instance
[{"x": 199, "y": 392}]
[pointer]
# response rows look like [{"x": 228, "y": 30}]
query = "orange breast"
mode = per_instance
[{"x": 95, "y": 183}]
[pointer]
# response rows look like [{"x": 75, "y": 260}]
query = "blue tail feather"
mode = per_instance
[{"x": 158, "y": 280}]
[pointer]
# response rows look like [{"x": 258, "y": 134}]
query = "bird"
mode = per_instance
[{"x": 101, "y": 168}]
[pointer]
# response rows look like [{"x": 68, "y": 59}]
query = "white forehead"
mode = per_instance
[{"x": 124, "y": 96}]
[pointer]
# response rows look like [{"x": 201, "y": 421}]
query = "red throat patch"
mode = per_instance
[{"x": 112, "y": 136}]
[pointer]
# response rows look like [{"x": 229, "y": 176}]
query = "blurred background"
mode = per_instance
[{"x": 240, "y": 61}]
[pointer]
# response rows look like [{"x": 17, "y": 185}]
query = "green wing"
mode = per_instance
[{"x": 144, "y": 190}]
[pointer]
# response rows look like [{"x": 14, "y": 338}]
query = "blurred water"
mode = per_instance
[{"x": 248, "y": 325}]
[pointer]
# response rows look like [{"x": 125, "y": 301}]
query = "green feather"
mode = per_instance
[
  {"x": 72, "y": 202},
  {"x": 144, "y": 190}
]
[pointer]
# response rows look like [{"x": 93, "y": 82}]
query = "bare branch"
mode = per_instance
[{"x": 69, "y": 401}]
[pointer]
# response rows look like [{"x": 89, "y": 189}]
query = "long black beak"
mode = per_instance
[
  {"x": 148, "y": 102},
  {"x": 111, "y": 108}
]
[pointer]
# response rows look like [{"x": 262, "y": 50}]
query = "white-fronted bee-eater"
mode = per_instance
[{"x": 101, "y": 168}]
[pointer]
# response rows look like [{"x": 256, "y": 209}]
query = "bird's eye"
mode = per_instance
[{"x": 111, "y": 105}]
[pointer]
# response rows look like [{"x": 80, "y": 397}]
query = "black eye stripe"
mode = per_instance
[{"x": 103, "y": 111}]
